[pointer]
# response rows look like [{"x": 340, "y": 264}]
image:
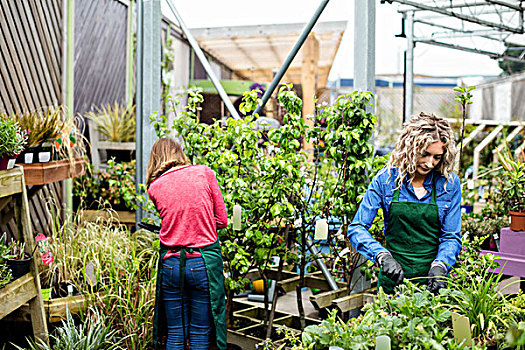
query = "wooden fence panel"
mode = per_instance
[
  {"x": 100, "y": 53},
  {"x": 45, "y": 208},
  {"x": 31, "y": 53}
]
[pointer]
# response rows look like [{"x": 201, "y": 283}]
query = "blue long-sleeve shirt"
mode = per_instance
[{"x": 379, "y": 195}]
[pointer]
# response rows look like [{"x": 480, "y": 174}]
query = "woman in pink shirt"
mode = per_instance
[{"x": 190, "y": 281}]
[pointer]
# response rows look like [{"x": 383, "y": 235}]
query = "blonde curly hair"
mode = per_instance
[{"x": 421, "y": 131}]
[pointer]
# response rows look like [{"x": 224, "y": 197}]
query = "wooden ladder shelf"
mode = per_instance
[{"x": 26, "y": 289}]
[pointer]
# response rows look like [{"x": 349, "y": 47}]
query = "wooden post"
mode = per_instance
[{"x": 310, "y": 52}]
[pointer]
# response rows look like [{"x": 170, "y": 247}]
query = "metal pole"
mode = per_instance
[
  {"x": 196, "y": 48},
  {"x": 409, "y": 70},
  {"x": 70, "y": 90},
  {"x": 291, "y": 55},
  {"x": 138, "y": 109},
  {"x": 321, "y": 265}
]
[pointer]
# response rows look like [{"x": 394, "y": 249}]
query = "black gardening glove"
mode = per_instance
[
  {"x": 391, "y": 267},
  {"x": 436, "y": 280}
]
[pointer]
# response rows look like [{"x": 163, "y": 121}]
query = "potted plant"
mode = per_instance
[
  {"x": 116, "y": 124},
  {"x": 18, "y": 260},
  {"x": 43, "y": 126},
  {"x": 514, "y": 188},
  {"x": 12, "y": 141}
]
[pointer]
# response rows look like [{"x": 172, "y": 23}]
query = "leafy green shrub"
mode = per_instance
[
  {"x": 12, "y": 137},
  {"x": 111, "y": 188},
  {"x": 415, "y": 319},
  {"x": 94, "y": 334}
]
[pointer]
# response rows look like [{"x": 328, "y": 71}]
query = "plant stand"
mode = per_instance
[
  {"x": 26, "y": 288},
  {"x": 38, "y": 174},
  {"x": 511, "y": 251},
  {"x": 249, "y": 331}
]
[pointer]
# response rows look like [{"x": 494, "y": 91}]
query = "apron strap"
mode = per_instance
[{"x": 433, "y": 199}]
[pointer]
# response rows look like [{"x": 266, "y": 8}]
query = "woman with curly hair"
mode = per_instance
[{"x": 420, "y": 197}]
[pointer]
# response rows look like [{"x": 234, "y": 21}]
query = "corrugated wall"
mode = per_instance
[
  {"x": 30, "y": 54},
  {"x": 100, "y": 53}
]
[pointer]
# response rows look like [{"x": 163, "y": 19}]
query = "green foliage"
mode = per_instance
[
  {"x": 124, "y": 271},
  {"x": 116, "y": 123},
  {"x": 472, "y": 292},
  {"x": 514, "y": 183},
  {"x": 41, "y": 124},
  {"x": 12, "y": 137},
  {"x": 94, "y": 334},
  {"x": 112, "y": 188},
  {"x": 5, "y": 272},
  {"x": 264, "y": 182},
  {"x": 413, "y": 319},
  {"x": 463, "y": 97},
  {"x": 482, "y": 226}
]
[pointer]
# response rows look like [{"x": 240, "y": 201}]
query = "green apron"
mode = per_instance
[
  {"x": 213, "y": 260},
  {"x": 412, "y": 237}
]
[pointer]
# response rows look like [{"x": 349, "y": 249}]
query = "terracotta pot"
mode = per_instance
[
  {"x": 517, "y": 220},
  {"x": 7, "y": 162}
]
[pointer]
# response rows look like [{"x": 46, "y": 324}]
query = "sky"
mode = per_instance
[{"x": 428, "y": 60}]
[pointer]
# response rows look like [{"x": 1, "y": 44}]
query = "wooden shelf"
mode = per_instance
[
  {"x": 10, "y": 182},
  {"x": 16, "y": 294},
  {"x": 123, "y": 217},
  {"x": 45, "y": 173}
]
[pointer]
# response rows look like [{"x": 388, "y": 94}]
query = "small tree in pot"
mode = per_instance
[{"x": 514, "y": 189}]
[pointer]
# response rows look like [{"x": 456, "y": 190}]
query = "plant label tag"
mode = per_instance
[
  {"x": 90, "y": 274},
  {"x": 470, "y": 184},
  {"x": 11, "y": 163},
  {"x": 321, "y": 229},
  {"x": 461, "y": 327},
  {"x": 44, "y": 249},
  {"x": 383, "y": 342},
  {"x": 237, "y": 217}
]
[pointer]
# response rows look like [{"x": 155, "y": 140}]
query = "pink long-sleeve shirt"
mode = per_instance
[{"x": 191, "y": 207}]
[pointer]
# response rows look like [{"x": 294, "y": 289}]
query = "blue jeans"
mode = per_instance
[{"x": 197, "y": 308}]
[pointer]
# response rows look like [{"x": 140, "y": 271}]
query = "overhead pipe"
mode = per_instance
[
  {"x": 204, "y": 61},
  {"x": 306, "y": 31}
]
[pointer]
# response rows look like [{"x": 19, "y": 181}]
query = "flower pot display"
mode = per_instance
[
  {"x": 517, "y": 220},
  {"x": 12, "y": 142},
  {"x": 19, "y": 267},
  {"x": 7, "y": 162},
  {"x": 44, "y": 152}
]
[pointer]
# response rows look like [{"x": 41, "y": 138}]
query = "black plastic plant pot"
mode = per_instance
[{"x": 19, "y": 267}]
